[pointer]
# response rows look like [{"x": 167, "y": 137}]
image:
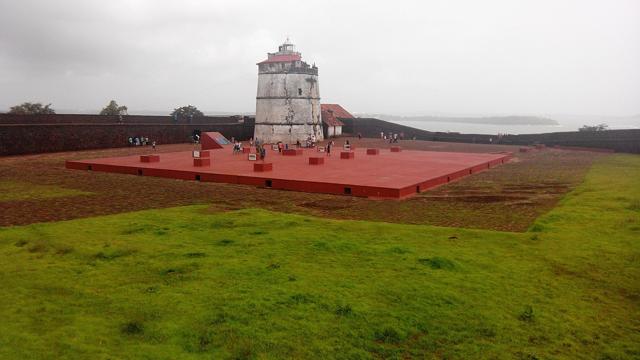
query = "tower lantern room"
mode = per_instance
[{"x": 287, "y": 47}]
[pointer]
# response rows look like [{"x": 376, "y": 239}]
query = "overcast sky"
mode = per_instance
[{"x": 535, "y": 57}]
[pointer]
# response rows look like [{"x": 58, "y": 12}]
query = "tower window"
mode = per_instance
[{"x": 299, "y": 91}]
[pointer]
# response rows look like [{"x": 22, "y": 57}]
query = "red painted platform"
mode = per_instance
[
  {"x": 387, "y": 175},
  {"x": 202, "y": 161},
  {"x": 316, "y": 160},
  {"x": 347, "y": 155},
  {"x": 292, "y": 152},
  {"x": 149, "y": 158},
  {"x": 262, "y": 166}
]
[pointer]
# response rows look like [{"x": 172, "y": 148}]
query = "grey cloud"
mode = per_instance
[{"x": 403, "y": 57}]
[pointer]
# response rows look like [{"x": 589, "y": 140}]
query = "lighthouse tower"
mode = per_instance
[{"x": 288, "y": 100}]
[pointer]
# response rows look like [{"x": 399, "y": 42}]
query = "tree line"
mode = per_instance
[{"x": 112, "y": 108}]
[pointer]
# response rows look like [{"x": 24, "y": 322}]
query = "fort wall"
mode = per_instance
[{"x": 32, "y": 134}]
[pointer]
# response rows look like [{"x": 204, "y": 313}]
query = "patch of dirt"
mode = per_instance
[
  {"x": 326, "y": 205},
  {"x": 508, "y": 197},
  {"x": 474, "y": 198}
]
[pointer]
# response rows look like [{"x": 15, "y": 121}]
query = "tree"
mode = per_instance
[
  {"x": 186, "y": 112},
  {"x": 599, "y": 127},
  {"x": 28, "y": 108},
  {"x": 114, "y": 109}
]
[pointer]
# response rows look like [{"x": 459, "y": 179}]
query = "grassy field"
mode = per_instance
[{"x": 188, "y": 283}]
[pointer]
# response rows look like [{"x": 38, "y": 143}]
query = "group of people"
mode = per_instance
[
  {"x": 237, "y": 147},
  {"x": 282, "y": 146},
  {"x": 141, "y": 141},
  {"x": 310, "y": 142},
  {"x": 392, "y": 137},
  {"x": 261, "y": 151}
]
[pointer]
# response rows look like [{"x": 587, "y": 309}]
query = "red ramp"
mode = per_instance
[{"x": 213, "y": 140}]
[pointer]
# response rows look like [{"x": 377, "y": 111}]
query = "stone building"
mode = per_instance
[{"x": 288, "y": 99}]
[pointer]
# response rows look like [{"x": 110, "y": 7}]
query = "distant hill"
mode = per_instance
[{"x": 493, "y": 120}]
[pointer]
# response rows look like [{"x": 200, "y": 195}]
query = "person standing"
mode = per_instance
[{"x": 263, "y": 153}]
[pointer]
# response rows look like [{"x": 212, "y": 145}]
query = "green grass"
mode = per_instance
[
  {"x": 17, "y": 190},
  {"x": 184, "y": 283}
]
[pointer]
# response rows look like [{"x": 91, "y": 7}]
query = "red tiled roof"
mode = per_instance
[
  {"x": 329, "y": 118},
  {"x": 338, "y": 111},
  {"x": 282, "y": 58}
]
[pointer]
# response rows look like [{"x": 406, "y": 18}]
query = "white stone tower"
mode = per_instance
[{"x": 288, "y": 100}]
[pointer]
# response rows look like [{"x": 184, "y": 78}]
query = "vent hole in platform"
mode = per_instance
[
  {"x": 299, "y": 91},
  {"x": 268, "y": 183},
  {"x": 197, "y": 177},
  {"x": 89, "y": 168},
  {"x": 347, "y": 191},
  {"x": 139, "y": 171}
]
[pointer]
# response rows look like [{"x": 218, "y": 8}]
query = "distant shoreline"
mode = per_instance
[{"x": 489, "y": 120}]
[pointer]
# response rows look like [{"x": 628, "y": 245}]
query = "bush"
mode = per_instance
[
  {"x": 132, "y": 328},
  {"x": 344, "y": 310},
  {"x": 21, "y": 243},
  {"x": 437, "y": 263},
  {"x": 526, "y": 314},
  {"x": 301, "y": 299},
  {"x": 28, "y": 108},
  {"x": 388, "y": 335},
  {"x": 109, "y": 255},
  {"x": 195, "y": 254},
  {"x": 536, "y": 228},
  {"x": 64, "y": 250},
  {"x": 37, "y": 248}
]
